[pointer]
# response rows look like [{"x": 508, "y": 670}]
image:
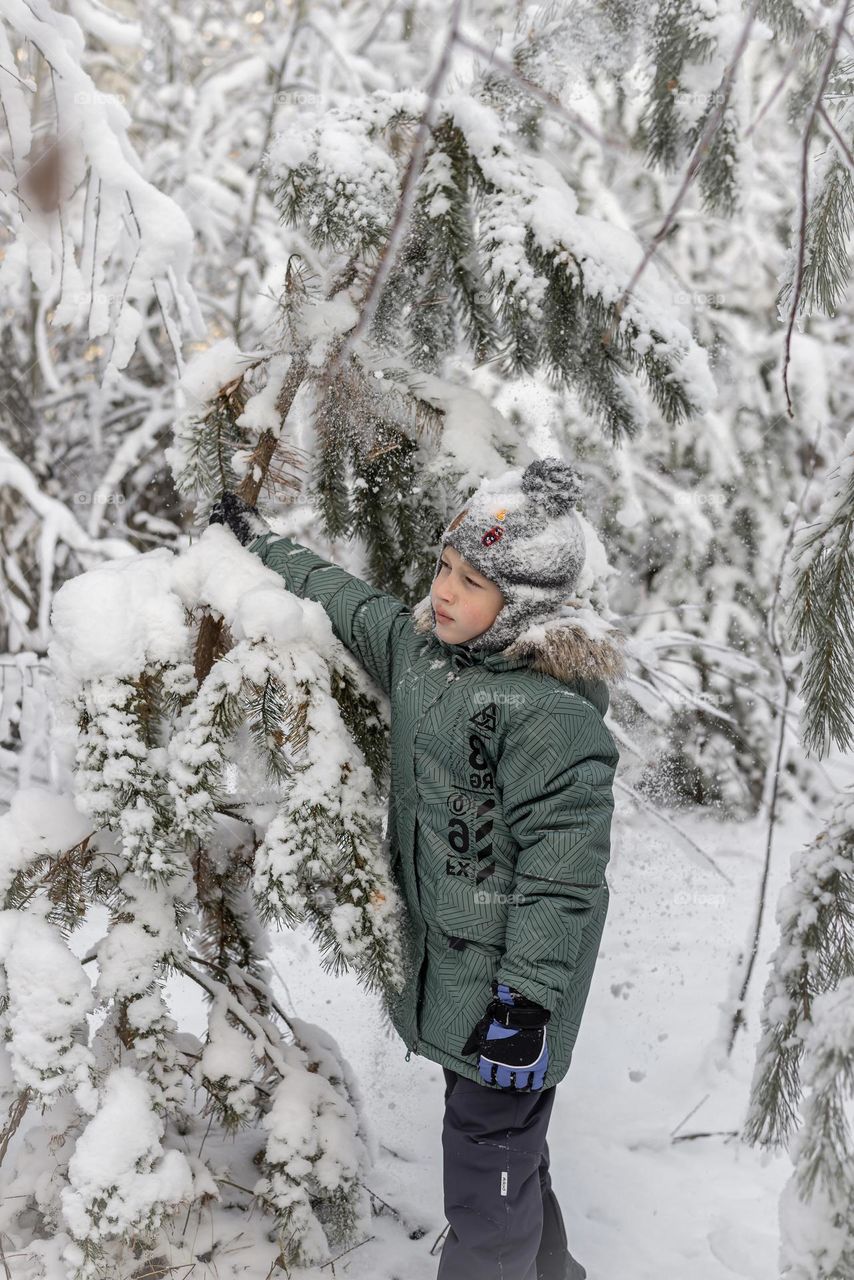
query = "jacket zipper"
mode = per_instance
[
  {"x": 455, "y": 675},
  {"x": 572, "y": 884}
]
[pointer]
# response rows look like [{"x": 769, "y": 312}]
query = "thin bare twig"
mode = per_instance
[
  {"x": 25, "y": 83},
  {"x": 690, "y": 173},
  {"x": 252, "y": 1025},
  {"x": 332, "y": 1261},
  {"x": 793, "y": 59},
  {"x": 772, "y": 780},
  {"x": 802, "y": 228},
  {"x": 388, "y": 1206},
  {"x": 439, "y": 1237},
  {"x": 401, "y": 219},
  {"x": 360, "y": 49},
  {"x": 3, "y": 1258},
  {"x": 256, "y": 193},
  {"x": 840, "y": 141},
  {"x": 17, "y": 1111},
  {"x": 692, "y": 1112},
  {"x": 711, "y": 1133},
  {"x": 572, "y": 118}
]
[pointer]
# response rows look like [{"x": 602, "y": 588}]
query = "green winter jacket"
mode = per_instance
[{"x": 500, "y": 808}]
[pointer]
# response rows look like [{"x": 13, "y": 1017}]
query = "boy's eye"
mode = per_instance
[{"x": 443, "y": 564}]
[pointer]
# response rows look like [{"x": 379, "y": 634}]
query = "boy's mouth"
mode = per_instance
[{"x": 443, "y": 617}]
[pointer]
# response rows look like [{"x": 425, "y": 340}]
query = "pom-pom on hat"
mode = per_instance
[{"x": 520, "y": 530}]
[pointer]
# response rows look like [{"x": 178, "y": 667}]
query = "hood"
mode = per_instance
[{"x": 575, "y": 645}]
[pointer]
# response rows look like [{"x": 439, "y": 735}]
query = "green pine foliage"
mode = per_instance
[
  {"x": 829, "y": 228},
  {"x": 821, "y": 614},
  {"x": 436, "y": 282},
  {"x": 273, "y": 720},
  {"x": 717, "y": 176},
  {"x": 329, "y": 489},
  {"x": 365, "y": 482},
  {"x": 208, "y": 444},
  {"x": 678, "y": 37},
  {"x": 228, "y": 925},
  {"x": 784, "y": 17},
  {"x": 364, "y": 721},
  {"x": 68, "y": 881},
  {"x": 457, "y": 282},
  {"x": 826, "y": 270},
  {"x": 578, "y": 348},
  {"x": 180, "y": 865},
  {"x": 118, "y": 722},
  {"x": 394, "y": 525},
  {"x": 803, "y": 1072},
  {"x": 825, "y": 1141},
  {"x": 677, "y": 113}
]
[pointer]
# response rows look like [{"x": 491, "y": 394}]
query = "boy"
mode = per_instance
[{"x": 499, "y": 834}]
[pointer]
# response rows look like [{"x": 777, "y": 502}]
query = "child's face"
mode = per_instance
[{"x": 470, "y": 601}]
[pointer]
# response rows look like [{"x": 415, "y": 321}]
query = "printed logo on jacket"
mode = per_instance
[{"x": 470, "y": 808}]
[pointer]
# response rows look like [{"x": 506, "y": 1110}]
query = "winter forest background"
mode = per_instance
[{"x": 348, "y": 259}]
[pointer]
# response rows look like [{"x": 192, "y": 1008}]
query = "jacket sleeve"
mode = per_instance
[
  {"x": 555, "y": 775},
  {"x": 367, "y": 621}
]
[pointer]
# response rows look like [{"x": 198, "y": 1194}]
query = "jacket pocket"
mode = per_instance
[
  {"x": 474, "y": 912},
  {"x": 457, "y": 990}
]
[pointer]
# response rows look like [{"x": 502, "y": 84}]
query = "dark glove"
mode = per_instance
[
  {"x": 244, "y": 521},
  {"x": 510, "y": 1040}
]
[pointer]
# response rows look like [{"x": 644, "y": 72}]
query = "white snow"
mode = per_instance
[
  {"x": 122, "y": 614},
  {"x": 209, "y": 370},
  {"x": 38, "y": 821},
  {"x": 114, "y": 618},
  {"x": 646, "y": 1159},
  {"x": 119, "y": 1173},
  {"x": 48, "y": 996}
]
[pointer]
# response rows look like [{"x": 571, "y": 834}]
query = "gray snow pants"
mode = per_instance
[{"x": 505, "y": 1221}]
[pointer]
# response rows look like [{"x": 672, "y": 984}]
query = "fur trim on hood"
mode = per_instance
[{"x": 576, "y": 643}]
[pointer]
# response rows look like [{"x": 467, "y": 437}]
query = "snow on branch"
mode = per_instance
[
  {"x": 121, "y": 1180},
  {"x": 534, "y": 281},
  {"x": 150, "y": 747},
  {"x": 820, "y": 590},
  {"x": 802, "y": 1086},
  {"x": 46, "y": 996},
  {"x": 199, "y": 813}
]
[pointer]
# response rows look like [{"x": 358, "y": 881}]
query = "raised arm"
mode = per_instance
[{"x": 367, "y": 621}]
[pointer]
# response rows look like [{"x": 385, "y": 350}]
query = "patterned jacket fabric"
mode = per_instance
[{"x": 500, "y": 808}]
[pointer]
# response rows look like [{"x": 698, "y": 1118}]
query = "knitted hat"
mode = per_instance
[{"x": 520, "y": 531}]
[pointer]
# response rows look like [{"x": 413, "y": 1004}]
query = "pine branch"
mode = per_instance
[
  {"x": 676, "y": 41},
  {"x": 821, "y": 614},
  {"x": 814, "y": 956},
  {"x": 692, "y": 169},
  {"x": 396, "y": 232},
  {"x": 795, "y": 299},
  {"x": 364, "y": 721},
  {"x": 273, "y": 720},
  {"x": 829, "y": 228},
  {"x": 506, "y": 70}
]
